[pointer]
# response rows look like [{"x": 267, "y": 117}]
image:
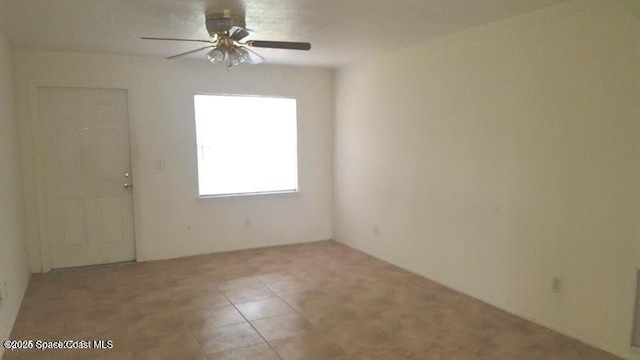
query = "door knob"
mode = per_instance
[{"x": 128, "y": 186}]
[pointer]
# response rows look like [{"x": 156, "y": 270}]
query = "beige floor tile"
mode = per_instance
[
  {"x": 228, "y": 338},
  {"x": 391, "y": 354},
  {"x": 184, "y": 293},
  {"x": 202, "y": 302},
  {"x": 111, "y": 355},
  {"x": 201, "y": 320},
  {"x": 331, "y": 317},
  {"x": 246, "y": 294},
  {"x": 309, "y": 346},
  {"x": 261, "y": 309},
  {"x": 268, "y": 277},
  {"x": 172, "y": 356},
  {"x": 179, "y": 345},
  {"x": 293, "y": 286},
  {"x": 312, "y": 299},
  {"x": 253, "y": 352},
  {"x": 282, "y": 326},
  {"x": 246, "y": 281},
  {"x": 359, "y": 337}
]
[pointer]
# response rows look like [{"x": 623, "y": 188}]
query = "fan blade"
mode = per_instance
[
  {"x": 287, "y": 45},
  {"x": 171, "y": 39},
  {"x": 254, "y": 57},
  {"x": 190, "y": 52},
  {"x": 238, "y": 33}
]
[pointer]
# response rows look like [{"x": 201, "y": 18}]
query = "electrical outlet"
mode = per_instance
[{"x": 556, "y": 284}]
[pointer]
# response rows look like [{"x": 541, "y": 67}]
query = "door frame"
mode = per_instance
[{"x": 40, "y": 212}]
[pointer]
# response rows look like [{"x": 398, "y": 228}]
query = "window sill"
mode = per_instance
[{"x": 253, "y": 194}]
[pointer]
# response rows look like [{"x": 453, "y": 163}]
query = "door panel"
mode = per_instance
[
  {"x": 110, "y": 219},
  {"x": 73, "y": 221},
  {"x": 108, "y": 164},
  {"x": 85, "y": 136},
  {"x": 68, "y": 152}
]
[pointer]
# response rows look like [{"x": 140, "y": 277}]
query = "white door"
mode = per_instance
[{"x": 85, "y": 135}]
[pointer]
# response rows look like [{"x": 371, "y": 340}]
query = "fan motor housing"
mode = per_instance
[{"x": 222, "y": 22}]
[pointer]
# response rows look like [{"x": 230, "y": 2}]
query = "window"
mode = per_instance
[{"x": 246, "y": 145}]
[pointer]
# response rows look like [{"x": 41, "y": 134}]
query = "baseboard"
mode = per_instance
[{"x": 142, "y": 259}]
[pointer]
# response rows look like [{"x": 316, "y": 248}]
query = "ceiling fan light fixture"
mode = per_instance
[
  {"x": 237, "y": 56},
  {"x": 243, "y": 55},
  {"x": 226, "y": 30},
  {"x": 216, "y": 55}
]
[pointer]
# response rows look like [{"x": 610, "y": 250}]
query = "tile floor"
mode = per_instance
[{"x": 312, "y": 301}]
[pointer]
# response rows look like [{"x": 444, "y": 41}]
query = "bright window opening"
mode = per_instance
[{"x": 246, "y": 145}]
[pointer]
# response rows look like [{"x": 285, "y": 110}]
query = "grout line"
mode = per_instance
[
  {"x": 249, "y": 322},
  {"x": 291, "y": 306},
  {"x": 193, "y": 333},
  {"x": 184, "y": 320},
  {"x": 254, "y": 328}
]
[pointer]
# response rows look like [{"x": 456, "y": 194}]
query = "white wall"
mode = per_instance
[
  {"x": 496, "y": 158},
  {"x": 170, "y": 220},
  {"x": 14, "y": 270}
]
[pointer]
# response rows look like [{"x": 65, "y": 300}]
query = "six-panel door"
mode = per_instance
[{"x": 85, "y": 134}]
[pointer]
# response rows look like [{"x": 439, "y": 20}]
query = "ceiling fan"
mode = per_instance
[{"x": 226, "y": 30}]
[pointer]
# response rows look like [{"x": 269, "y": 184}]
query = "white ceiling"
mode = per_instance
[{"x": 341, "y": 31}]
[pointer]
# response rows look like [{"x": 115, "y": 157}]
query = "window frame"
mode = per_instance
[{"x": 274, "y": 193}]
